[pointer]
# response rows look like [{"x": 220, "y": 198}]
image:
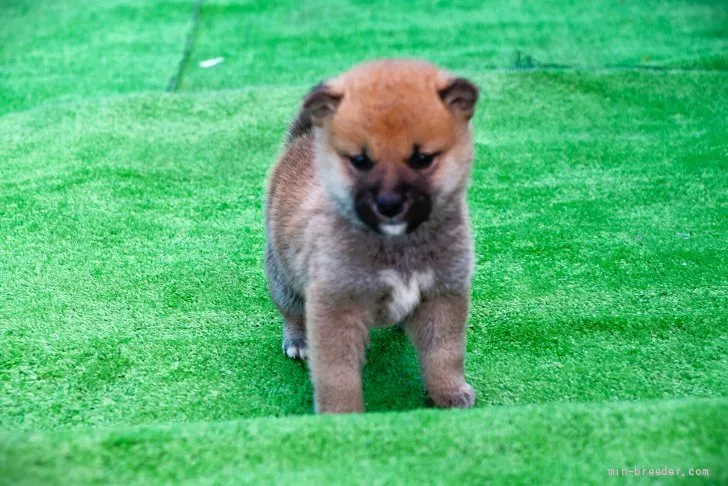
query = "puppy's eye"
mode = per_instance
[
  {"x": 420, "y": 161},
  {"x": 361, "y": 162}
]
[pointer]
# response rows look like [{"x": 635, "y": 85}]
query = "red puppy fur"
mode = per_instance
[{"x": 367, "y": 225}]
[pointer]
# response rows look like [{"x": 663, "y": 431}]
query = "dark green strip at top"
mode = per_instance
[{"x": 292, "y": 42}]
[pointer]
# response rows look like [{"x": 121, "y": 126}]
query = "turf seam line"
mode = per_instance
[
  {"x": 526, "y": 62},
  {"x": 608, "y": 68},
  {"x": 176, "y": 80}
]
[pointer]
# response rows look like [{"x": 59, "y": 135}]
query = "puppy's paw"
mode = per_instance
[
  {"x": 295, "y": 348},
  {"x": 462, "y": 396}
]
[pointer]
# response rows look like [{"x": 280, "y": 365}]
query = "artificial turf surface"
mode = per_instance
[{"x": 137, "y": 340}]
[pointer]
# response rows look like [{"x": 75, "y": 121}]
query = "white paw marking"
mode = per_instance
[
  {"x": 295, "y": 352},
  {"x": 406, "y": 295}
]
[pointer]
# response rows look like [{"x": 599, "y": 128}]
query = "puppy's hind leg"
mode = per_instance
[
  {"x": 294, "y": 336},
  {"x": 291, "y": 307}
]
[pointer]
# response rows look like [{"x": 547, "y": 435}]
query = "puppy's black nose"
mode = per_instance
[{"x": 389, "y": 204}]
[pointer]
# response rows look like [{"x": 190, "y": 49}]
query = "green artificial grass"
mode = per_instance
[
  {"x": 62, "y": 50},
  {"x": 137, "y": 339}
]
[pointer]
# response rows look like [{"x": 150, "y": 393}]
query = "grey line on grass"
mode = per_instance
[
  {"x": 176, "y": 80},
  {"x": 525, "y": 62}
]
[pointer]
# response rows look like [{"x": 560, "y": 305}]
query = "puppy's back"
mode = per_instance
[{"x": 290, "y": 182}]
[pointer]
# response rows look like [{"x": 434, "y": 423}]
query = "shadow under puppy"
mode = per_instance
[{"x": 367, "y": 225}]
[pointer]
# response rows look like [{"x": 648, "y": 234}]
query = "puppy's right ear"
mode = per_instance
[{"x": 320, "y": 103}]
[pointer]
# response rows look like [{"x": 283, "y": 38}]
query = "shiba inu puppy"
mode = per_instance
[{"x": 367, "y": 225}]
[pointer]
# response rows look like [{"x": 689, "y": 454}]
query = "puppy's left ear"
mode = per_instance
[{"x": 460, "y": 97}]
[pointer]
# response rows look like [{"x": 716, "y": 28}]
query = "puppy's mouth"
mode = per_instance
[
  {"x": 392, "y": 214},
  {"x": 392, "y": 225}
]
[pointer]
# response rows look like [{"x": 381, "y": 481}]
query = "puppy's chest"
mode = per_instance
[{"x": 402, "y": 293}]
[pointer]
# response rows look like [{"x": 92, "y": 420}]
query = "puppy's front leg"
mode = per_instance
[
  {"x": 437, "y": 329},
  {"x": 337, "y": 336}
]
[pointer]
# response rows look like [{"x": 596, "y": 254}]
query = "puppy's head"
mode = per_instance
[{"x": 392, "y": 141}]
